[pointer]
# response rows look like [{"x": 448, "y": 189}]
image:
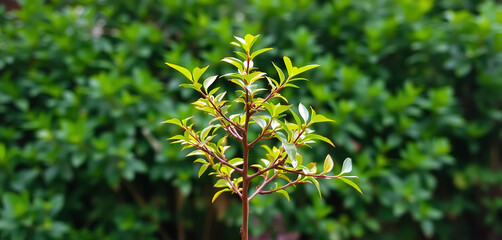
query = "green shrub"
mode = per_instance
[{"x": 414, "y": 87}]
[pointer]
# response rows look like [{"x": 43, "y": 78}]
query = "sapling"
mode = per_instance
[{"x": 259, "y": 94}]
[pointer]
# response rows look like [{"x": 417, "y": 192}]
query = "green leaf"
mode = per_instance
[
  {"x": 210, "y": 80},
  {"x": 197, "y": 152},
  {"x": 197, "y": 73},
  {"x": 291, "y": 151},
  {"x": 284, "y": 193},
  {"x": 250, "y": 40},
  {"x": 316, "y": 183},
  {"x": 242, "y": 55},
  {"x": 200, "y": 160},
  {"x": 202, "y": 169},
  {"x": 242, "y": 41},
  {"x": 278, "y": 109},
  {"x": 346, "y": 166},
  {"x": 289, "y": 66},
  {"x": 218, "y": 194},
  {"x": 320, "y": 118},
  {"x": 2, "y": 152},
  {"x": 260, "y": 51},
  {"x": 352, "y": 184},
  {"x": 221, "y": 183},
  {"x": 297, "y": 119},
  {"x": 182, "y": 70},
  {"x": 303, "y": 112},
  {"x": 173, "y": 121},
  {"x": 258, "y": 120},
  {"x": 280, "y": 73},
  {"x": 328, "y": 164},
  {"x": 195, "y": 86},
  {"x": 234, "y": 61},
  {"x": 319, "y": 137},
  {"x": 205, "y": 132},
  {"x": 236, "y": 162},
  {"x": 306, "y": 68}
]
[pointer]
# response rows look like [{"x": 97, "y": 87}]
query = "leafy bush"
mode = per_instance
[{"x": 414, "y": 87}]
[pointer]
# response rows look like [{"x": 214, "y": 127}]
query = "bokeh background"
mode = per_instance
[{"x": 415, "y": 87}]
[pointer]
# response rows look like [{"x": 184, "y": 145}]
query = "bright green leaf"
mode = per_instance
[
  {"x": 352, "y": 184},
  {"x": 283, "y": 193},
  {"x": 320, "y": 118},
  {"x": 303, "y": 69},
  {"x": 173, "y": 121},
  {"x": 289, "y": 66},
  {"x": 182, "y": 70},
  {"x": 260, "y": 51},
  {"x": 202, "y": 169},
  {"x": 221, "y": 183},
  {"x": 319, "y": 137},
  {"x": 280, "y": 73},
  {"x": 197, "y": 73}
]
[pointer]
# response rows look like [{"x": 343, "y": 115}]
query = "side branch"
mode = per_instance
[
  {"x": 263, "y": 133},
  {"x": 265, "y": 182},
  {"x": 218, "y": 110},
  {"x": 235, "y": 188},
  {"x": 283, "y": 187},
  {"x": 307, "y": 174},
  {"x": 221, "y": 160},
  {"x": 204, "y": 148}
]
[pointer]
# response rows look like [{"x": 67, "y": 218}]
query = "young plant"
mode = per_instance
[{"x": 282, "y": 165}]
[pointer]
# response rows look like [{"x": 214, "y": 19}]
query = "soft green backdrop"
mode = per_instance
[{"x": 414, "y": 85}]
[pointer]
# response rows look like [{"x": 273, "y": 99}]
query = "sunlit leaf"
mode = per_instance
[
  {"x": 182, "y": 70},
  {"x": 221, "y": 183},
  {"x": 284, "y": 193},
  {"x": 195, "y": 86},
  {"x": 289, "y": 66},
  {"x": 352, "y": 184},
  {"x": 209, "y": 81},
  {"x": 320, "y": 118},
  {"x": 202, "y": 169},
  {"x": 303, "y": 112},
  {"x": 280, "y": 73},
  {"x": 260, "y": 51},
  {"x": 173, "y": 121},
  {"x": 328, "y": 164},
  {"x": 346, "y": 166},
  {"x": 291, "y": 151},
  {"x": 218, "y": 194},
  {"x": 306, "y": 68},
  {"x": 197, "y": 73},
  {"x": 319, "y": 137}
]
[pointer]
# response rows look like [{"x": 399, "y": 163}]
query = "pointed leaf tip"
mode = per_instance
[
  {"x": 328, "y": 164},
  {"x": 218, "y": 194},
  {"x": 303, "y": 112},
  {"x": 283, "y": 192},
  {"x": 346, "y": 166},
  {"x": 352, "y": 184},
  {"x": 182, "y": 70}
]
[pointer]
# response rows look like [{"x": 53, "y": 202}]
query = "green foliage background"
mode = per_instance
[{"x": 414, "y": 85}]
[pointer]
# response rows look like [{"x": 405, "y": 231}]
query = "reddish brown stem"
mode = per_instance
[
  {"x": 306, "y": 174},
  {"x": 283, "y": 187},
  {"x": 265, "y": 182}
]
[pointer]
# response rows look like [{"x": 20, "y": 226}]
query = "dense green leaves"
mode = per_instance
[{"x": 413, "y": 86}]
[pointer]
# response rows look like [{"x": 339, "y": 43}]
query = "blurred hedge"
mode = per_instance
[{"x": 415, "y": 87}]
